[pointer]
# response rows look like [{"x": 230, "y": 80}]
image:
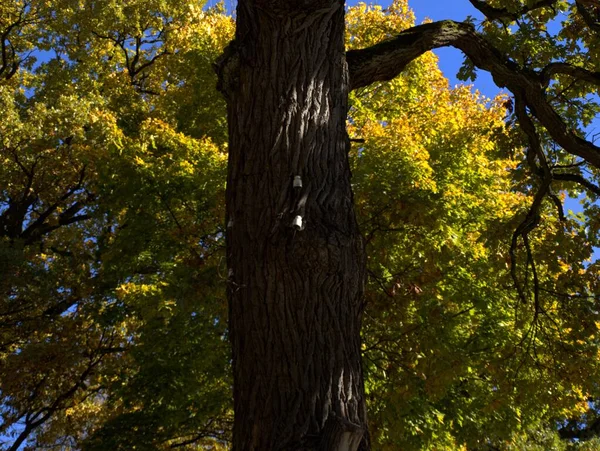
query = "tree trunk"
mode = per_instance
[{"x": 295, "y": 255}]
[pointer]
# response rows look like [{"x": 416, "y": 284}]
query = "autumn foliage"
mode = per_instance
[{"x": 113, "y": 314}]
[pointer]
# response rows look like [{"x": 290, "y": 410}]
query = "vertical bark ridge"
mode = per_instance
[{"x": 295, "y": 295}]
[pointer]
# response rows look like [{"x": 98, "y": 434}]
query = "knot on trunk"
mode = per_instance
[{"x": 227, "y": 68}]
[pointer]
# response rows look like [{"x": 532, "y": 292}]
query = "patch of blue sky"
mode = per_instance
[{"x": 451, "y": 60}]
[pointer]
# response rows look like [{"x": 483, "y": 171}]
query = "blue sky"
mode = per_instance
[{"x": 450, "y": 59}]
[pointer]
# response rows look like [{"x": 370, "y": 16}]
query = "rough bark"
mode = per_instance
[
  {"x": 295, "y": 255},
  {"x": 295, "y": 291}
]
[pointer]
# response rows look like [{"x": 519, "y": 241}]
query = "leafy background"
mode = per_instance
[{"x": 112, "y": 310}]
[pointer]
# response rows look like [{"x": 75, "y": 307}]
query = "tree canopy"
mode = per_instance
[{"x": 482, "y": 317}]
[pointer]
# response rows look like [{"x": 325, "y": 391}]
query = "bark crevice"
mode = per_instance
[{"x": 295, "y": 293}]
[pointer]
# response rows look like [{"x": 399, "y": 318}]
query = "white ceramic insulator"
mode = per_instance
[
  {"x": 297, "y": 222},
  {"x": 297, "y": 182}
]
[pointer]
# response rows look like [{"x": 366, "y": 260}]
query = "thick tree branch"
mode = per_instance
[
  {"x": 576, "y": 178},
  {"x": 535, "y": 151},
  {"x": 592, "y": 22},
  {"x": 504, "y": 13},
  {"x": 566, "y": 69},
  {"x": 386, "y": 60},
  {"x": 9, "y": 62}
]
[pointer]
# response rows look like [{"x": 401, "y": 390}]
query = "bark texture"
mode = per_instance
[{"x": 295, "y": 290}]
